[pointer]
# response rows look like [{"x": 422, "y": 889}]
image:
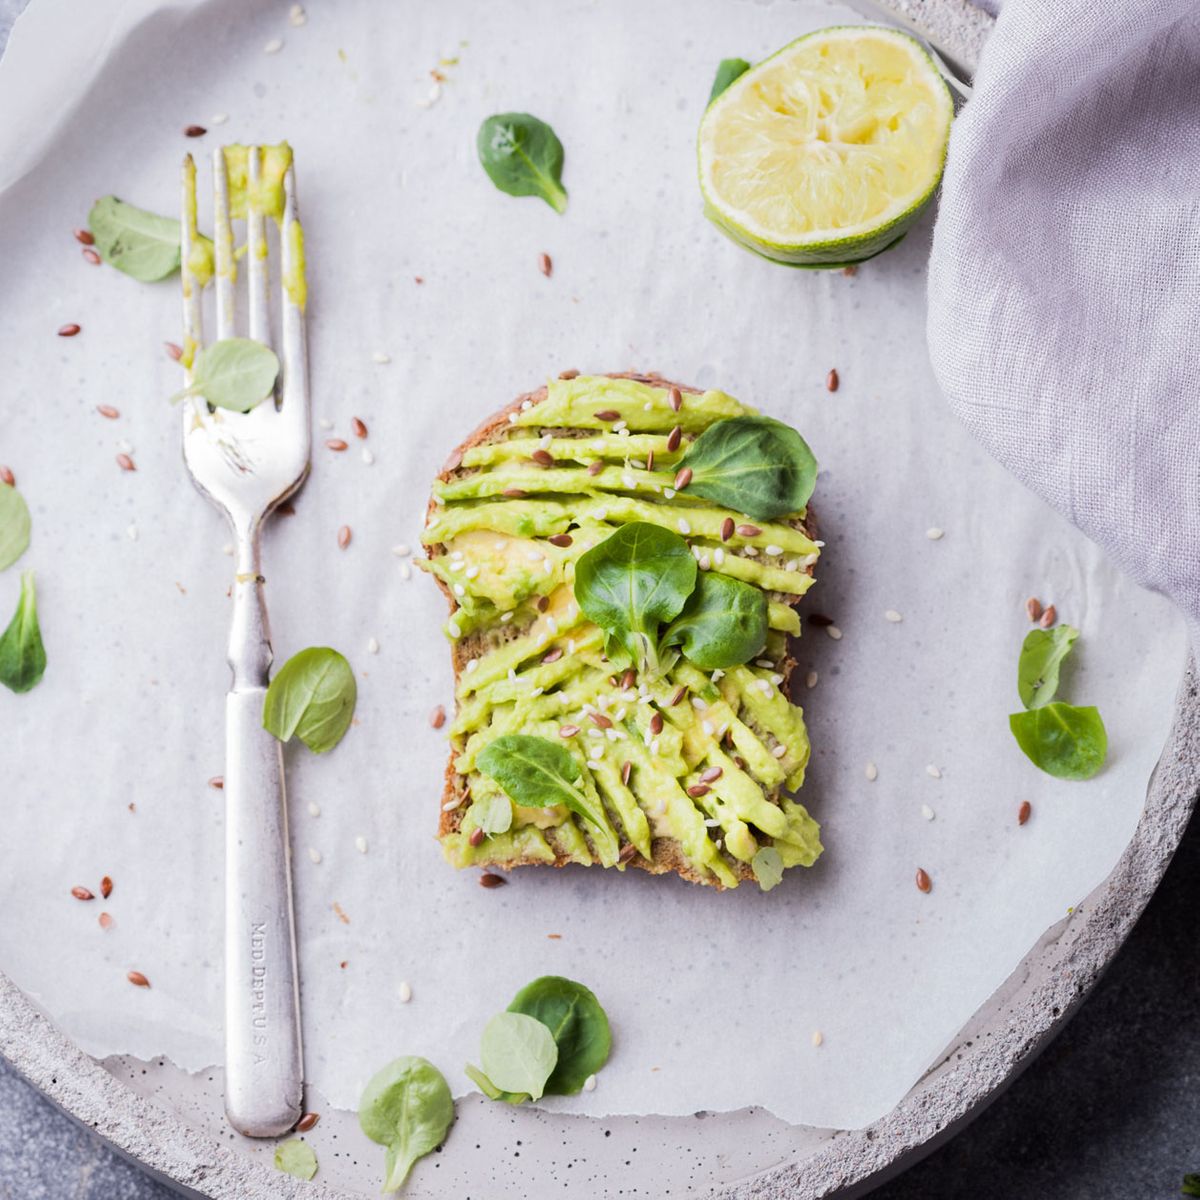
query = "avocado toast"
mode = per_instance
[{"x": 624, "y": 746}]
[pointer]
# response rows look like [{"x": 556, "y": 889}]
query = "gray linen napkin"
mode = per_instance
[{"x": 1064, "y": 289}]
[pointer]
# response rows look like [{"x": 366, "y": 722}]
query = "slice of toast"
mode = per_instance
[{"x": 667, "y": 855}]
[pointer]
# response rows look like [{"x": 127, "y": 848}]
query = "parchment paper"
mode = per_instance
[{"x": 714, "y": 998}]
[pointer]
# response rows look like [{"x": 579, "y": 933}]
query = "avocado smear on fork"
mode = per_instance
[{"x": 712, "y": 771}]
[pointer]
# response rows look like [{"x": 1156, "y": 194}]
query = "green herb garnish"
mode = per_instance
[
  {"x": 728, "y": 70},
  {"x": 140, "y": 243},
  {"x": 14, "y": 525},
  {"x": 406, "y": 1107},
  {"x": 754, "y": 465},
  {"x": 22, "y": 655},
  {"x": 722, "y": 625},
  {"x": 312, "y": 697},
  {"x": 579, "y": 1032},
  {"x": 538, "y": 773},
  {"x": 633, "y": 581},
  {"x": 643, "y": 576},
  {"x": 523, "y": 157},
  {"x": 1041, "y": 657},
  {"x": 234, "y": 373},
  {"x": 296, "y": 1158},
  {"x": 1062, "y": 740},
  {"x": 767, "y": 865}
]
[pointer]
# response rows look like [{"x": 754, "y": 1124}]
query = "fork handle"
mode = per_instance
[{"x": 264, "y": 1069}]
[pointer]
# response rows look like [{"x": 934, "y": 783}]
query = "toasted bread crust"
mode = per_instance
[{"x": 667, "y": 856}]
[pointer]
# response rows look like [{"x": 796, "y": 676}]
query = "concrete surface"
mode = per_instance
[{"x": 1108, "y": 1112}]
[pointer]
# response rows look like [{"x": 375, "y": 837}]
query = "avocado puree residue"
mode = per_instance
[{"x": 509, "y": 527}]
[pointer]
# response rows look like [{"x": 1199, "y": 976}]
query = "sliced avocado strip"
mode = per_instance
[
  {"x": 517, "y": 844},
  {"x": 574, "y": 403},
  {"x": 783, "y": 617},
  {"x": 801, "y": 846},
  {"x": 567, "y": 838},
  {"x": 605, "y": 447},
  {"x": 771, "y": 711},
  {"x": 521, "y": 518},
  {"x": 556, "y": 481},
  {"x": 625, "y": 804},
  {"x": 603, "y": 835},
  {"x": 757, "y": 572}
]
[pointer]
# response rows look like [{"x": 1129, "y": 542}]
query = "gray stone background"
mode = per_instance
[{"x": 1109, "y": 1112}]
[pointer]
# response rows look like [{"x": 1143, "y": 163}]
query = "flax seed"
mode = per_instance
[
  {"x": 68, "y": 330},
  {"x": 626, "y": 772},
  {"x": 360, "y": 429},
  {"x": 85, "y": 237},
  {"x": 173, "y": 351},
  {"x": 543, "y": 603},
  {"x": 677, "y": 695},
  {"x": 607, "y": 414},
  {"x": 90, "y": 256},
  {"x": 338, "y": 444},
  {"x": 831, "y": 380},
  {"x": 1024, "y": 812},
  {"x": 82, "y": 893},
  {"x": 107, "y": 410},
  {"x": 568, "y": 731},
  {"x": 676, "y": 398},
  {"x": 569, "y": 373},
  {"x": 105, "y": 920},
  {"x": 1049, "y": 616},
  {"x": 194, "y": 131},
  {"x": 698, "y": 789},
  {"x": 106, "y": 887},
  {"x": 437, "y": 718},
  {"x": 628, "y": 853},
  {"x": 600, "y": 720},
  {"x": 552, "y": 656},
  {"x": 126, "y": 463},
  {"x": 6, "y": 476},
  {"x": 514, "y": 494},
  {"x": 560, "y": 539},
  {"x": 543, "y": 458},
  {"x": 344, "y": 536},
  {"x": 217, "y": 781},
  {"x": 924, "y": 883},
  {"x": 711, "y": 775},
  {"x": 488, "y": 880},
  {"x": 656, "y": 724},
  {"x": 596, "y": 467},
  {"x": 650, "y": 461},
  {"x": 1033, "y": 606},
  {"x": 307, "y": 1121},
  {"x": 749, "y": 531},
  {"x": 545, "y": 264},
  {"x": 476, "y": 837},
  {"x": 628, "y": 679},
  {"x": 683, "y": 478},
  {"x": 674, "y": 438},
  {"x": 137, "y": 979}
]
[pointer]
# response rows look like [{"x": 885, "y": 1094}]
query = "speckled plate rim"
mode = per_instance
[{"x": 1000, "y": 1040}]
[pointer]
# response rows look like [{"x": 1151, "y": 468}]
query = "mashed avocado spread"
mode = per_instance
[{"x": 702, "y": 758}]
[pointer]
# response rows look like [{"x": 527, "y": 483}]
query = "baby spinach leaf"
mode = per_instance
[
  {"x": 14, "y": 525},
  {"x": 296, "y": 1158},
  {"x": 1062, "y": 740},
  {"x": 723, "y": 624},
  {"x": 577, "y": 1023},
  {"x": 493, "y": 813},
  {"x": 754, "y": 465},
  {"x": 234, "y": 373},
  {"x": 523, "y": 157},
  {"x": 312, "y": 696},
  {"x": 636, "y": 578},
  {"x": 22, "y": 655},
  {"x": 406, "y": 1107},
  {"x": 140, "y": 243},
  {"x": 1041, "y": 657},
  {"x": 767, "y": 865},
  {"x": 518, "y": 1053},
  {"x": 538, "y": 773},
  {"x": 729, "y": 70}
]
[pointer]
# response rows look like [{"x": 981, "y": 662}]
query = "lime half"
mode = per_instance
[{"x": 825, "y": 153}]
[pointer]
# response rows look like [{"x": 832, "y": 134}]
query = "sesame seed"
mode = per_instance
[
  {"x": 810, "y": 680},
  {"x": 684, "y": 527},
  {"x": 372, "y": 646},
  {"x": 367, "y": 457},
  {"x": 273, "y": 46},
  {"x": 381, "y": 358},
  {"x": 750, "y": 551},
  {"x": 711, "y": 822},
  {"x": 773, "y": 550},
  {"x": 669, "y": 493},
  {"x": 360, "y": 844},
  {"x": 526, "y": 405},
  {"x": 927, "y": 812},
  {"x": 818, "y": 1037},
  {"x": 512, "y": 418},
  {"x": 325, "y": 423},
  {"x": 451, "y": 805},
  {"x": 871, "y": 771},
  {"x": 934, "y": 534},
  {"x": 454, "y": 629},
  {"x": 406, "y": 573},
  {"x": 892, "y": 615},
  {"x": 218, "y": 118},
  {"x": 698, "y": 704},
  {"x": 132, "y": 533},
  {"x": 778, "y": 751},
  {"x": 471, "y": 665},
  {"x": 629, "y": 481},
  {"x": 505, "y": 618},
  {"x": 704, "y": 562},
  {"x": 933, "y": 772},
  {"x": 314, "y": 854},
  {"x": 593, "y": 765},
  {"x": 707, "y": 726},
  {"x": 401, "y": 550},
  {"x": 834, "y": 632},
  {"x": 459, "y": 590},
  {"x": 405, "y": 993},
  {"x": 314, "y": 809},
  {"x": 589, "y": 1084},
  {"x": 620, "y": 426}
]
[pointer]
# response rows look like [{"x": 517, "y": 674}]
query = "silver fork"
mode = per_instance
[{"x": 247, "y": 464}]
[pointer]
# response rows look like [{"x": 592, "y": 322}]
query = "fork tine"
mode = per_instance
[
  {"x": 294, "y": 394},
  {"x": 226, "y": 275},
  {"x": 256, "y": 246},
  {"x": 193, "y": 320}
]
